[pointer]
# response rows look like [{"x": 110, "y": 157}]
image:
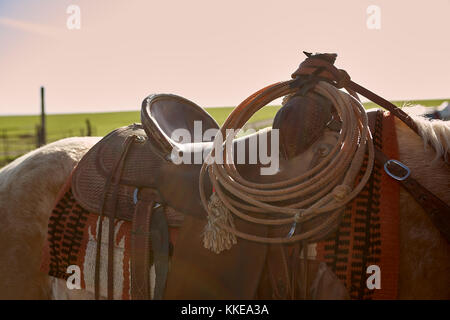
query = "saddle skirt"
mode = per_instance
[{"x": 140, "y": 170}]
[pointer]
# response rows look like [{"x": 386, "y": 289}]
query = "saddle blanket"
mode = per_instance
[
  {"x": 368, "y": 235},
  {"x": 72, "y": 242}
]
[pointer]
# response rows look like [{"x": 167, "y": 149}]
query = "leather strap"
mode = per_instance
[
  {"x": 140, "y": 236},
  {"x": 399, "y": 113},
  {"x": 141, "y": 246},
  {"x": 321, "y": 67},
  {"x": 278, "y": 268},
  {"x": 283, "y": 262},
  {"x": 160, "y": 249},
  {"x": 116, "y": 174},
  {"x": 438, "y": 211}
]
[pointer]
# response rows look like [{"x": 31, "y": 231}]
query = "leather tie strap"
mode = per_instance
[
  {"x": 278, "y": 268},
  {"x": 111, "y": 181},
  {"x": 111, "y": 207},
  {"x": 160, "y": 248},
  {"x": 322, "y": 67},
  {"x": 141, "y": 246},
  {"x": 437, "y": 210}
]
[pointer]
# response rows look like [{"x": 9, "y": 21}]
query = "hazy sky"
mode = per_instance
[{"x": 215, "y": 53}]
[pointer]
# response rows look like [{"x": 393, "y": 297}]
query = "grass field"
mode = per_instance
[
  {"x": 65, "y": 125},
  {"x": 105, "y": 122}
]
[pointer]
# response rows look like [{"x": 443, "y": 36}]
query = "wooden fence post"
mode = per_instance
[
  {"x": 38, "y": 135},
  {"x": 42, "y": 138},
  {"x": 88, "y": 127},
  {"x": 5, "y": 142}
]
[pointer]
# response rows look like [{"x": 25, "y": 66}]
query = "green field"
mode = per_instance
[
  {"x": 18, "y": 133},
  {"x": 425, "y": 103},
  {"x": 105, "y": 122},
  {"x": 20, "y": 130}
]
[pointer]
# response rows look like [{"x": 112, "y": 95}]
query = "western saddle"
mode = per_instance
[{"x": 129, "y": 175}]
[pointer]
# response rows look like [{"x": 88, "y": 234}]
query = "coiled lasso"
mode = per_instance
[{"x": 324, "y": 189}]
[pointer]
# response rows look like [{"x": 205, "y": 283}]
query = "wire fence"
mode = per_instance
[{"x": 16, "y": 141}]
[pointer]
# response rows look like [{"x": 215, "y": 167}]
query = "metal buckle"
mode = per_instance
[
  {"x": 291, "y": 232},
  {"x": 135, "y": 195},
  {"x": 405, "y": 176},
  {"x": 135, "y": 199}
]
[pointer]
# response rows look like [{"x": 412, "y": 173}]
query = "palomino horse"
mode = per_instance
[{"x": 29, "y": 187}]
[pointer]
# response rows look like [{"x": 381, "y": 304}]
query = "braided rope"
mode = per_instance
[{"x": 326, "y": 188}]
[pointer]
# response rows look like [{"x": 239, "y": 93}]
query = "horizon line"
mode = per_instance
[{"x": 211, "y": 107}]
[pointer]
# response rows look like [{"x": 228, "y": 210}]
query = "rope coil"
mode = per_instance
[{"x": 324, "y": 189}]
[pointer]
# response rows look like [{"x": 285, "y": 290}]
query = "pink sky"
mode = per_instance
[{"x": 215, "y": 53}]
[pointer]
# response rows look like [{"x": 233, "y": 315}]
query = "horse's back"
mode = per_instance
[
  {"x": 28, "y": 189},
  {"x": 424, "y": 252}
]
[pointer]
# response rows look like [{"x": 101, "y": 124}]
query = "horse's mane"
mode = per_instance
[{"x": 434, "y": 132}]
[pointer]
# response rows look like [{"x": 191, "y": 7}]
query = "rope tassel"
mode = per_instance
[{"x": 216, "y": 238}]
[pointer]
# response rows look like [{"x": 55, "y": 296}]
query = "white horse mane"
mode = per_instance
[{"x": 434, "y": 132}]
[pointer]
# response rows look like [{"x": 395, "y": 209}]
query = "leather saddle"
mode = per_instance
[{"x": 129, "y": 175}]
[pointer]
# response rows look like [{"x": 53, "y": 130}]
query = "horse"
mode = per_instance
[
  {"x": 29, "y": 187},
  {"x": 441, "y": 112}
]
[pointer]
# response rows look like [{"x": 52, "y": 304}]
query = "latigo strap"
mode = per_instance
[{"x": 141, "y": 248}]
